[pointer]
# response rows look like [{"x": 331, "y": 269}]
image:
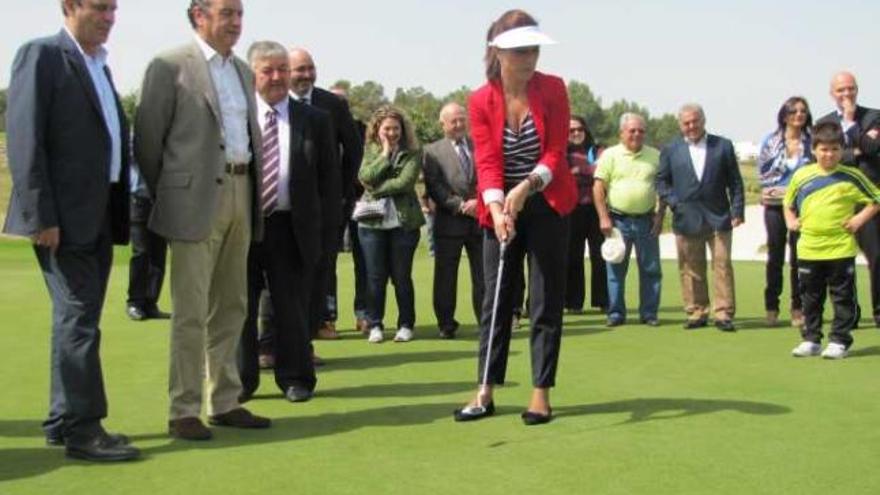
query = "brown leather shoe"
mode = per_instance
[
  {"x": 327, "y": 331},
  {"x": 362, "y": 326},
  {"x": 189, "y": 429},
  {"x": 240, "y": 418},
  {"x": 267, "y": 361}
]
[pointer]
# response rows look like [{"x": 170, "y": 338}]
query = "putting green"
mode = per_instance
[{"x": 638, "y": 410}]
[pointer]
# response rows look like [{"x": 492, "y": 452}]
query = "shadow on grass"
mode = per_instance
[
  {"x": 25, "y": 463},
  {"x": 662, "y": 409},
  {"x": 393, "y": 359},
  {"x": 400, "y": 390},
  {"x": 874, "y": 350},
  {"x": 305, "y": 427}
]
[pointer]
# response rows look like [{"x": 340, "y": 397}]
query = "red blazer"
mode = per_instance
[{"x": 548, "y": 103}]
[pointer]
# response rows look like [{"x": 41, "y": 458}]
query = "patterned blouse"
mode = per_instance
[{"x": 521, "y": 152}]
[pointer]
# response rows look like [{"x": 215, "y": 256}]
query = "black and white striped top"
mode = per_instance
[{"x": 521, "y": 152}]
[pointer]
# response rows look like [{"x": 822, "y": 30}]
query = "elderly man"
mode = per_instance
[
  {"x": 626, "y": 199},
  {"x": 861, "y": 127},
  {"x": 302, "y": 85},
  {"x": 198, "y": 144},
  {"x": 699, "y": 179},
  {"x": 452, "y": 184},
  {"x": 68, "y": 153},
  {"x": 299, "y": 204}
]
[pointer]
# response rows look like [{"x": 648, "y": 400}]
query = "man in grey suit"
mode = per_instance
[
  {"x": 68, "y": 153},
  {"x": 300, "y": 196},
  {"x": 451, "y": 182},
  {"x": 197, "y": 143},
  {"x": 699, "y": 179}
]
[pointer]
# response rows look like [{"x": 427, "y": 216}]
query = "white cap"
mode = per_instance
[
  {"x": 520, "y": 37},
  {"x": 614, "y": 249}
]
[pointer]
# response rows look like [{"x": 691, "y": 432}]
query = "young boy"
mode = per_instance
[{"x": 819, "y": 203}]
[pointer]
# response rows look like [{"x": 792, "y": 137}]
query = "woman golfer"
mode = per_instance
[{"x": 520, "y": 121}]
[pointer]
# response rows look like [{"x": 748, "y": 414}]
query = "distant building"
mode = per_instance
[{"x": 746, "y": 151}]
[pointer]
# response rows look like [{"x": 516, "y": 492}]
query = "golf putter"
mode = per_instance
[{"x": 480, "y": 407}]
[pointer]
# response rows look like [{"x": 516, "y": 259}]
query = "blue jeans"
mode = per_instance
[
  {"x": 636, "y": 232},
  {"x": 389, "y": 254}
]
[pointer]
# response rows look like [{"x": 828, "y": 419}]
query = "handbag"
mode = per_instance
[{"x": 369, "y": 209}]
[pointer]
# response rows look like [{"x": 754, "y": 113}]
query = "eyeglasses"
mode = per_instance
[
  {"x": 635, "y": 131},
  {"x": 575, "y": 130}
]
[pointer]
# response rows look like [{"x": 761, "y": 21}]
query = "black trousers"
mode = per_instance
[
  {"x": 447, "y": 255},
  {"x": 836, "y": 277},
  {"x": 276, "y": 262},
  {"x": 777, "y": 237},
  {"x": 869, "y": 241},
  {"x": 76, "y": 277},
  {"x": 542, "y": 234},
  {"x": 584, "y": 226},
  {"x": 146, "y": 270}
]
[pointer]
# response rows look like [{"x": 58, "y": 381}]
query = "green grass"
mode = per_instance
[{"x": 639, "y": 410}]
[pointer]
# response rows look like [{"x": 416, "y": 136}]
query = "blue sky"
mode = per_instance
[{"x": 739, "y": 59}]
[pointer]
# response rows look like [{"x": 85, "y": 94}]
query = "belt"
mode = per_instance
[
  {"x": 237, "y": 168},
  {"x": 632, "y": 215}
]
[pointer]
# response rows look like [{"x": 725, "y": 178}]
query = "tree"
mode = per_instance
[
  {"x": 3, "y": 110},
  {"x": 459, "y": 96},
  {"x": 584, "y": 104},
  {"x": 365, "y": 98},
  {"x": 423, "y": 110},
  {"x": 129, "y": 106},
  {"x": 662, "y": 130}
]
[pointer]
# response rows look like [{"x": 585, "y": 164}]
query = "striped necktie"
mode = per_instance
[
  {"x": 271, "y": 162},
  {"x": 466, "y": 167}
]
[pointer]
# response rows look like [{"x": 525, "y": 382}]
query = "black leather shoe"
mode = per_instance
[
  {"x": 101, "y": 448},
  {"x": 57, "y": 440},
  {"x": 531, "y": 418},
  {"x": 473, "y": 413},
  {"x": 298, "y": 393},
  {"x": 136, "y": 313},
  {"x": 154, "y": 313},
  {"x": 694, "y": 324},
  {"x": 447, "y": 333},
  {"x": 614, "y": 322},
  {"x": 725, "y": 325}
]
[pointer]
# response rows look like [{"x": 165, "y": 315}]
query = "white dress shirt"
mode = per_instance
[
  {"x": 283, "y": 119},
  {"x": 107, "y": 98},
  {"x": 698, "y": 156},
  {"x": 233, "y": 103}
]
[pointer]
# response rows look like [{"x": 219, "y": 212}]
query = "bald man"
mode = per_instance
[
  {"x": 861, "y": 127},
  {"x": 451, "y": 182}
]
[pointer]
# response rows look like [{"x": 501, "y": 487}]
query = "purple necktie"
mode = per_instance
[{"x": 271, "y": 161}]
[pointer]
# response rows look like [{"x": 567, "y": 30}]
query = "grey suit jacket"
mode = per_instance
[
  {"x": 179, "y": 144},
  {"x": 59, "y": 147},
  {"x": 448, "y": 186}
]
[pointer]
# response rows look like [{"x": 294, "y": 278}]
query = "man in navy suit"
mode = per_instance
[
  {"x": 300, "y": 195},
  {"x": 699, "y": 179},
  {"x": 68, "y": 153},
  {"x": 861, "y": 126}
]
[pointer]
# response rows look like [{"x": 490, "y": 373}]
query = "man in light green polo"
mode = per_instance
[{"x": 626, "y": 199}]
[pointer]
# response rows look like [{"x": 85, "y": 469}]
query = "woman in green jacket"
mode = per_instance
[{"x": 390, "y": 170}]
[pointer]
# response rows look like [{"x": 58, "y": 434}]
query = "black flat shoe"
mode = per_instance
[
  {"x": 531, "y": 418},
  {"x": 473, "y": 413}
]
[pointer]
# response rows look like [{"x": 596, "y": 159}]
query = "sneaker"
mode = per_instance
[
  {"x": 806, "y": 349},
  {"x": 376, "y": 335},
  {"x": 404, "y": 334},
  {"x": 834, "y": 351}
]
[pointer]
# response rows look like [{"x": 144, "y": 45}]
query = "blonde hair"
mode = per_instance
[{"x": 408, "y": 139}]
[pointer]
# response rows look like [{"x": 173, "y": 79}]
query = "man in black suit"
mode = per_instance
[
  {"x": 861, "y": 128},
  {"x": 146, "y": 268},
  {"x": 299, "y": 199},
  {"x": 450, "y": 180},
  {"x": 699, "y": 179},
  {"x": 350, "y": 146},
  {"x": 68, "y": 153}
]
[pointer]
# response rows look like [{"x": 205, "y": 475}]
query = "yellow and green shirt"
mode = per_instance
[
  {"x": 629, "y": 178},
  {"x": 824, "y": 200}
]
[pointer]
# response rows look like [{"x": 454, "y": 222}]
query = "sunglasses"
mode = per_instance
[
  {"x": 524, "y": 50},
  {"x": 575, "y": 130}
]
